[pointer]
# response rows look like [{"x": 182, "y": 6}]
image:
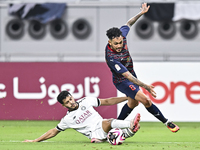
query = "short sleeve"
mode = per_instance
[
  {"x": 124, "y": 29},
  {"x": 116, "y": 66},
  {"x": 62, "y": 126},
  {"x": 93, "y": 101}
]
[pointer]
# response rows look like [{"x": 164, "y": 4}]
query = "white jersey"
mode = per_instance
[{"x": 85, "y": 119}]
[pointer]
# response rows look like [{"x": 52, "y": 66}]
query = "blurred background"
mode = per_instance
[
  {"x": 171, "y": 30},
  {"x": 60, "y": 44}
]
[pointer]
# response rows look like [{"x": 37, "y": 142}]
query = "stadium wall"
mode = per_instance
[
  {"x": 85, "y": 37},
  {"x": 28, "y": 91}
]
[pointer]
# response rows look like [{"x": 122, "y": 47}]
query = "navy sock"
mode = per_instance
[
  {"x": 157, "y": 113},
  {"x": 124, "y": 112}
]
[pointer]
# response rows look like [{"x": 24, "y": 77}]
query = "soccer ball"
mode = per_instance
[{"x": 115, "y": 136}]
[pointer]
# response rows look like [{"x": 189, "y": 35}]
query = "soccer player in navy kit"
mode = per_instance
[{"x": 124, "y": 77}]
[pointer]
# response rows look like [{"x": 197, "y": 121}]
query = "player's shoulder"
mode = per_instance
[
  {"x": 124, "y": 29},
  {"x": 82, "y": 100},
  {"x": 125, "y": 26},
  {"x": 85, "y": 99}
]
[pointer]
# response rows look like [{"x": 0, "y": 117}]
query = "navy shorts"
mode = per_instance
[{"x": 128, "y": 88}]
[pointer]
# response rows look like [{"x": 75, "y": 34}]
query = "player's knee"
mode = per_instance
[
  {"x": 137, "y": 103},
  {"x": 106, "y": 124},
  {"x": 133, "y": 103},
  {"x": 147, "y": 102}
]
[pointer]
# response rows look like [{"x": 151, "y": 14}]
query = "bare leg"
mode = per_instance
[
  {"x": 132, "y": 103},
  {"x": 153, "y": 109},
  {"x": 106, "y": 125},
  {"x": 141, "y": 97},
  {"x": 127, "y": 108},
  {"x": 128, "y": 127}
]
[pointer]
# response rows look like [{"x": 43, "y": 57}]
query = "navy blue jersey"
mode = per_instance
[{"x": 120, "y": 62}]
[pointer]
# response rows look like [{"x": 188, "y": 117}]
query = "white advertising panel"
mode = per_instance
[{"x": 177, "y": 85}]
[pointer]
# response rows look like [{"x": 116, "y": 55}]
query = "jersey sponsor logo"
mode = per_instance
[
  {"x": 128, "y": 59},
  {"x": 117, "y": 67},
  {"x": 83, "y": 117}
]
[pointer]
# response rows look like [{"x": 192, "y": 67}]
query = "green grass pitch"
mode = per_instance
[{"x": 151, "y": 136}]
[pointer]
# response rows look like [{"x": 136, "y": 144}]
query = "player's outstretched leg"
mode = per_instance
[
  {"x": 153, "y": 109},
  {"x": 171, "y": 126}
]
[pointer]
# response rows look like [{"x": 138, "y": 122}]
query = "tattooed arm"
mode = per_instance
[
  {"x": 131, "y": 78},
  {"x": 143, "y": 9}
]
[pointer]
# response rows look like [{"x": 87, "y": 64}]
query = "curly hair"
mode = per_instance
[
  {"x": 113, "y": 33},
  {"x": 62, "y": 96}
]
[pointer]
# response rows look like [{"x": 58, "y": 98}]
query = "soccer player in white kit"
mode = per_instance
[{"x": 82, "y": 117}]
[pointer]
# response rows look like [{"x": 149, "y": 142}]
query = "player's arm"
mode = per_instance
[
  {"x": 133, "y": 79},
  {"x": 112, "y": 100},
  {"x": 143, "y": 9},
  {"x": 49, "y": 134}
]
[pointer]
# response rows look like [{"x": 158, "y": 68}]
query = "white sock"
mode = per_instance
[
  {"x": 167, "y": 122},
  {"x": 120, "y": 124}
]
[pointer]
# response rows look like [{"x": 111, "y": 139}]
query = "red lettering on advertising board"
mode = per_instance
[
  {"x": 189, "y": 92},
  {"x": 170, "y": 91}
]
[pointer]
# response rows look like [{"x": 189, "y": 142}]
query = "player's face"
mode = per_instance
[
  {"x": 69, "y": 102},
  {"x": 116, "y": 44}
]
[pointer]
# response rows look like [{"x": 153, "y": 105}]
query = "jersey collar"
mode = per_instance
[{"x": 74, "y": 108}]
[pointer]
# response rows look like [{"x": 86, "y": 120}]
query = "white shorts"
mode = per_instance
[{"x": 99, "y": 133}]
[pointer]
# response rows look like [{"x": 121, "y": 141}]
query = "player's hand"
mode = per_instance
[
  {"x": 28, "y": 141},
  {"x": 144, "y": 8},
  {"x": 151, "y": 90}
]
